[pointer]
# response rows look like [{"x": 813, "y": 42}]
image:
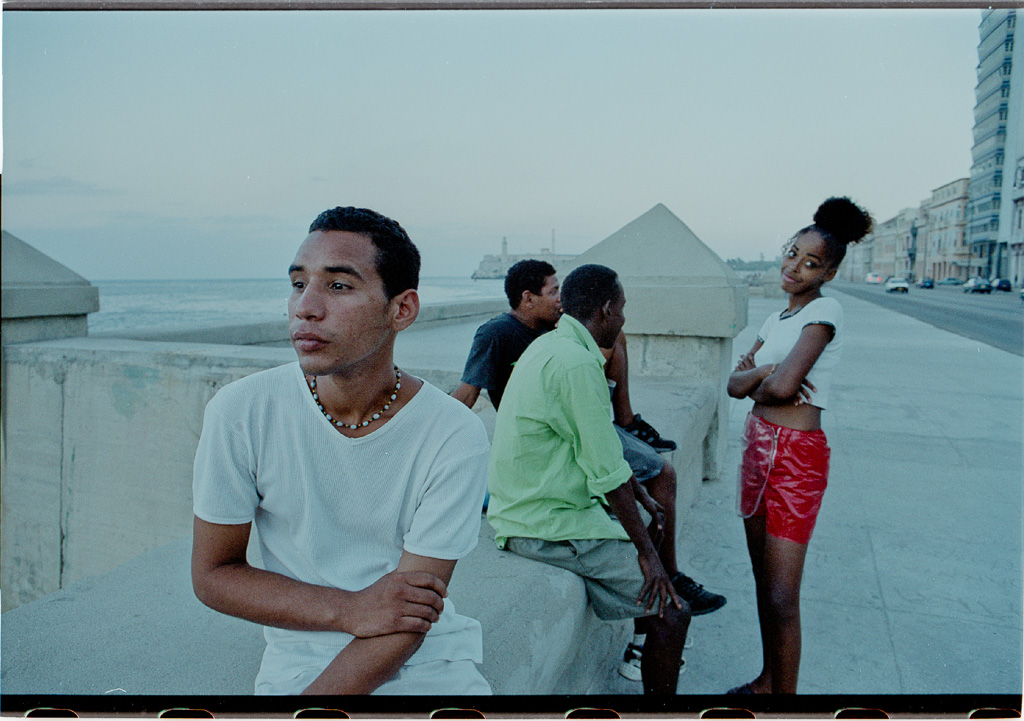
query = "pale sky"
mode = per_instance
[{"x": 202, "y": 144}]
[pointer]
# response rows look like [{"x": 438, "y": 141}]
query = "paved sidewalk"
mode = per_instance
[{"x": 913, "y": 583}]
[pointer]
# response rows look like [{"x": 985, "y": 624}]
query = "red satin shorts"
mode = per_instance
[{"x": 782, "y": 476}]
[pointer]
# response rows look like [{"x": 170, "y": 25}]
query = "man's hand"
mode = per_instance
[
  {"x": 400, "y": 602},
  {"x": 368, "y": 662},
  {"x": 410, "y": 599},
  {"x": 657, "y": 590},
  {"x": 657, "y": 527}
]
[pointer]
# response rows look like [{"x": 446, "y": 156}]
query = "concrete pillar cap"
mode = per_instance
[
  {"x": 36, "y": 285},
  {"x": 674, "y": 283}
]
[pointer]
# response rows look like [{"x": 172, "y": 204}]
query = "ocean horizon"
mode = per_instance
[{"x": 129, "y": 305}]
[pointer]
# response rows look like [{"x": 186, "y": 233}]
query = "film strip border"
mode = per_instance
[{"x": 988, "y": 706}]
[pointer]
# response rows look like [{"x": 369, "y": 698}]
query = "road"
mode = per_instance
[{"x": 996, "y": 318}]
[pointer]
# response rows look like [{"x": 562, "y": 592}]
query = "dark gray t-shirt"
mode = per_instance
[{"x": 497, "y": 345}]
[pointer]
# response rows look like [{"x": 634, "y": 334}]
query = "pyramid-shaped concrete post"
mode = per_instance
[
  {"x": 42, "y": 299},
  {"x": 684, "y": 307}
]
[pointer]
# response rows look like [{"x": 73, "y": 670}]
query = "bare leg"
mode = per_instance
[
  {"x": 663, "y": 649},
  {"x": 778, "y": 566},
  {"x": 755, "y": 530},
  {"x": 617, "y": 369},
  {"x": 784, "y": 568},
  {"x": 663, "y": 489}
]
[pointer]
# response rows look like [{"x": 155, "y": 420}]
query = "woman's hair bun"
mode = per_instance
[{"x": 843, "y": 220}]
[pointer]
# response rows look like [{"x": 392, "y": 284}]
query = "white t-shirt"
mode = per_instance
[
  {"x": 779, "y": 335},
  {"x": 336, "y": 511}
]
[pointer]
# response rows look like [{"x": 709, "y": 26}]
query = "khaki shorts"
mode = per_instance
[{"x": 608, "y": 567}]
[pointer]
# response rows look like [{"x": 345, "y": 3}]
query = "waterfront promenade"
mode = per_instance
[{"x": 913, "y": 582}]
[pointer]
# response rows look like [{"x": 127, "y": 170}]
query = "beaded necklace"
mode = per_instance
[
  {"x": 790, "y": 313},
  {"x": 375, "y": 416}
]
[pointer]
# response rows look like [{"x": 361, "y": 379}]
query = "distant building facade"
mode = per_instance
[
  {"x": 857, "y": 263},
  {"x": 945, "y": 252},
  {"x": 910, "y": 230},
  {"x": 496, "y": 266},
  {"x": 1015, "y": 230},
  {"x": 883, "y": 247},
  {"x": 994, "y": 116},
  {"x": 923, "y": 242}
]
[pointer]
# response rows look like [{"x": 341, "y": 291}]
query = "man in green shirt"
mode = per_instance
[{"x": 556, "y": 470}]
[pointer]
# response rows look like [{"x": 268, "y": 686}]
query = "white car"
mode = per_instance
[
  {"x": 873, "y": 278},
  {"x": 977, "y": 285},
  {"x": 897, "y": 285}
]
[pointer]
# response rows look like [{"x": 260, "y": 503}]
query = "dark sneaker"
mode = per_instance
[
  {"x": 645, "y": 432},
  {"x": 700, "y": 599}
]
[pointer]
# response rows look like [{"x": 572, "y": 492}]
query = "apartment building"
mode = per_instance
[
  {"x": 945, "y": 252},
  {"x": 884, "y": 240},
  {"x": 911, "y": 230},
  {"x": 857, "y": 263},
  {"x": 1011, "y": 215},
  {"x": 1015, "y": 227},
  {"x": 993, "y": 115}
]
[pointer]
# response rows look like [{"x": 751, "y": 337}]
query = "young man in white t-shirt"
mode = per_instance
[{"x": 364, "y": 486}]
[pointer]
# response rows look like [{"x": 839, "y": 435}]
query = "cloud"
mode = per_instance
[{"x": 55, "y": 186}]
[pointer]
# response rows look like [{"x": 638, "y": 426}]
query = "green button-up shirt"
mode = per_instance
[{"x": 555, "y": 453}]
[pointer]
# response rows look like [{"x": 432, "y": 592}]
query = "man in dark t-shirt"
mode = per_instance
[
  {"x": 497, "y": 345},
  {"x": 533, "y": 294}
]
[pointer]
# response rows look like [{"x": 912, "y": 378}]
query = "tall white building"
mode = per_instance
[
  {"x": 1011, "y": 212},
  {"x": 996, "y": 119}
]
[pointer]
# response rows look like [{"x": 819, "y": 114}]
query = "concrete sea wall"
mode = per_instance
[{"x": 99, "y": 439}]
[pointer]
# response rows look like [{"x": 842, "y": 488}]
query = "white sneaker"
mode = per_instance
[{"x": 629, "y": 667}]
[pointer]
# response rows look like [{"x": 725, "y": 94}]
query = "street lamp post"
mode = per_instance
[
  {"x": 912, "y": 249},
  {"x": 924, "y": 257}
]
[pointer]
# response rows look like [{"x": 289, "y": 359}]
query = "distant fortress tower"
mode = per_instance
[{"x": 496, "y": 266}]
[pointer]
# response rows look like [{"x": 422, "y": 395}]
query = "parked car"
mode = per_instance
[
  {"x": 897, "y": 285},
  {"x": 926, "y": 283},
  {"x": 950, "y": 281},
  {"x": 1001, "y": 284},
  {"x": 977, "y": 285},
  {"x": 873, "y": 278}
]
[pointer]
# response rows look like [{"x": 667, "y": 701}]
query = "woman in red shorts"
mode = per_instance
[{"x": 788, "y": 375}]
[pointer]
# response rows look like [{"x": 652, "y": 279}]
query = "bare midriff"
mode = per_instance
[{"x": 803, "y": 417}]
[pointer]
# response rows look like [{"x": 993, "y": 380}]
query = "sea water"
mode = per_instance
[{"x": 164, "y": 304}]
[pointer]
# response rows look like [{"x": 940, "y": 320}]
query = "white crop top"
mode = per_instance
[{"x": 778, "y": 336}]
